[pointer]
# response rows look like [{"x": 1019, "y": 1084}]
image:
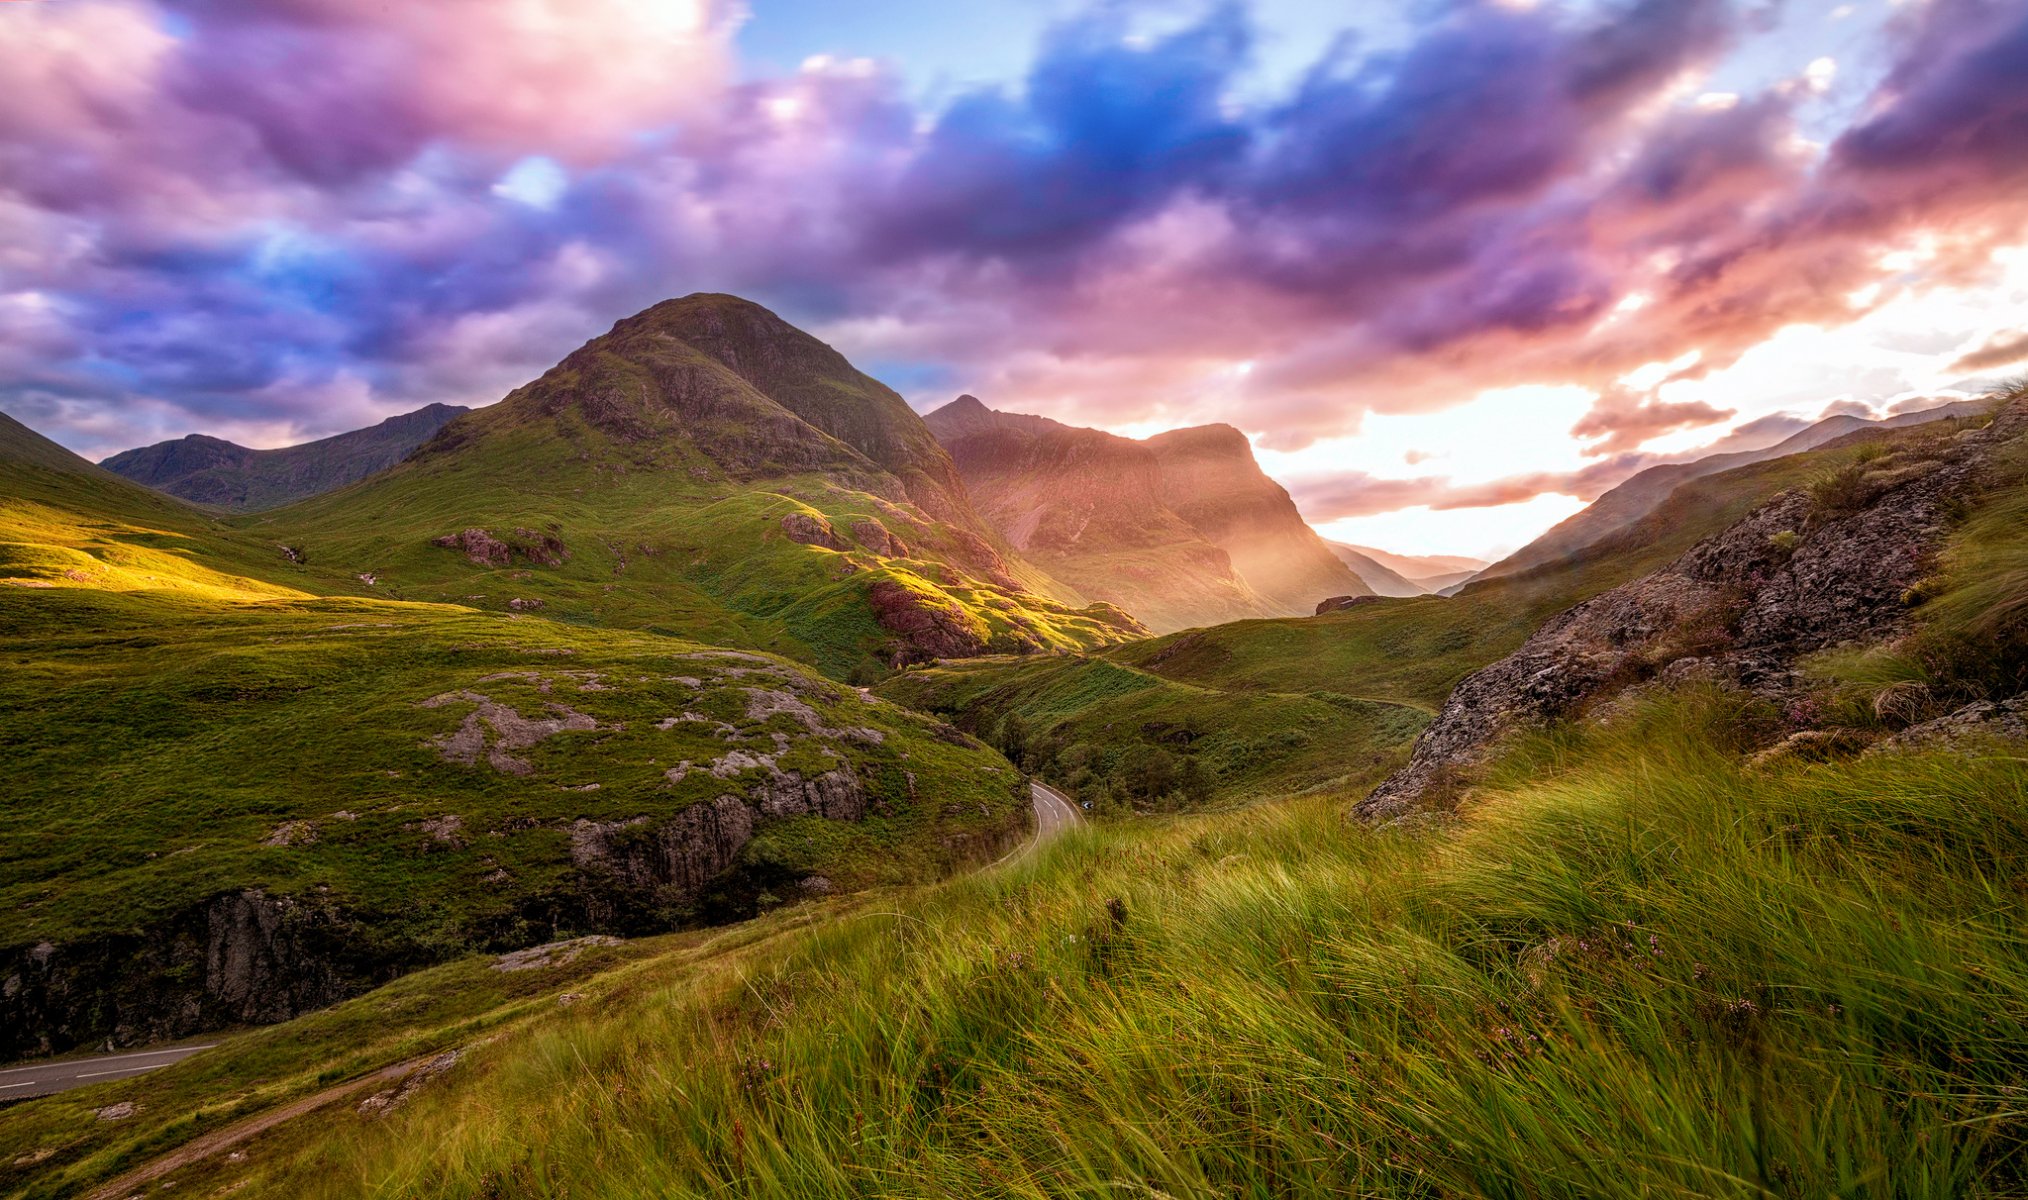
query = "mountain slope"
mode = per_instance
[
  {"x": 218, "y": 473},
  {"x": 1639, "y": 495},
  {"x": 1210, "y": 479},
  {"x": 233, "y": 797},
  {"x": 1383, "y": 581},
  {"x": 1841, "y": 563},
  {"x": 708, "y": 468},
  {"x": 1087, "y": 506}
]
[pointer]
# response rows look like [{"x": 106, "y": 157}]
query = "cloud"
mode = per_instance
[
  {"x": 1621, "y": 421},
  {"x": 2003, "y": 349},
  {"x": 218, "y": 213}
]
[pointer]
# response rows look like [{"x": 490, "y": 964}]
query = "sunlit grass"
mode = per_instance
[{"x": 1634, "y": 967}]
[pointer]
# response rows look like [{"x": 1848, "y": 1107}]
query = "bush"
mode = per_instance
[{"x": 1841, "y": 490}]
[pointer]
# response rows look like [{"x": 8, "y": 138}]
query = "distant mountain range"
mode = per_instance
[
  {"x": 221, "y": 474},
  {"x": 1183, "y": 529},
  {"x": 1643, "y": 493},
  {"x": 1406, "y": 574}
]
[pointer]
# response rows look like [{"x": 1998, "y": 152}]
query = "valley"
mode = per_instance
[{"x": 593, "y": 738}]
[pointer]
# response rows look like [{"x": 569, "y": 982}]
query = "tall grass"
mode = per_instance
[{"x": 1633, "y": 968}]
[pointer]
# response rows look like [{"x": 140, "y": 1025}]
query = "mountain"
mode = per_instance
[
  {"x": 1088, "y": 507},
  {"x": 1382, "y": 580},
  {"x": 1640, "y": 494},
  {"x": 1414, "y": 566},
  {"x": 705, "y": 468},
  {"x": 1182, "y": 530},
  {"x": 243, "y": 784},
  {"x": 1211, "y": 480},
  {"x": 211, "y": 471}
]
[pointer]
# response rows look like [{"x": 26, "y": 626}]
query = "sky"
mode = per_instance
[{"x": 1455, "y": 266}]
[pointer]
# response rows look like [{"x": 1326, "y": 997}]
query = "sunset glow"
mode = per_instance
[{"x": 1455, "y": 273}]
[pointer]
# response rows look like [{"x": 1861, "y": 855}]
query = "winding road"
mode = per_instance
[{"x": 1054, "y": 816}]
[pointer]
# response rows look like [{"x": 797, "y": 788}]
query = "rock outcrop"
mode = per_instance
[
  {"x": 925, "y": 627},
  {"x": 1799, "y": 574},
  {"x": 238, "y": 959}
]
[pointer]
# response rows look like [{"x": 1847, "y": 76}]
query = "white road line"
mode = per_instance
[
  {"x": 85, "y": 1062},
  {"x": 117, "y": 1071}
]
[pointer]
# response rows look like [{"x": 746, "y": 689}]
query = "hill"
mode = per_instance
[
  {"x": 219, "y": 474},
  {"x": 1088, "y": 507},
  {"x": 704, "y": 468},
  {"x": 235, "y": 797},
  {"x": 1639, "y": 496},
  {"x": 1662, "y": 945}
]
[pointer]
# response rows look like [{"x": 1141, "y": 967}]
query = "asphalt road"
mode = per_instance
[
  {"x": 41, "y": 1079},
  {"x": 1054, "y": 816}
]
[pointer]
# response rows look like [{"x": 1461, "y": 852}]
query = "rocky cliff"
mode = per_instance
[
  {"x": 1211, "y": 480},
  {"x": 1806, "y": 571}
]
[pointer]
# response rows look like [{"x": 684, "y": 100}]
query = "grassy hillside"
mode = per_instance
[
  {"x": 706, "y": 470},
  {"x": 163, "y": 752},
  {"x": 189, "y": 723},
  {"x": 1636, "y": 960},
  {"x": 1633, "y": 967}
]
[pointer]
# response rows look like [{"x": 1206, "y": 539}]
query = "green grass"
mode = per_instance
[
  {"x": 1632, "y": 967},
  {"x": 198, "y": 729}
]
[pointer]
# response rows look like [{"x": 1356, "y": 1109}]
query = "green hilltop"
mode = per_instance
[{"x": 705, "y": 469}]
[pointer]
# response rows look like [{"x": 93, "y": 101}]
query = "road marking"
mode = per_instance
[
  {"x": 86, "y": 1062},
  {"x": 116, "y": 1071}
]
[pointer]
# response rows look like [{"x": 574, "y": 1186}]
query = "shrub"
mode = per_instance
[
  {"x": 1786, "y": 541},
  {"x": 1841, "y": 490}
]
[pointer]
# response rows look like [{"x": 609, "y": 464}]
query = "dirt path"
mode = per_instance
[{"x": 232, "y": 1135}]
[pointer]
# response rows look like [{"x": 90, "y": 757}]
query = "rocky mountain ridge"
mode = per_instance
[{"x": 1644, "y": 492}]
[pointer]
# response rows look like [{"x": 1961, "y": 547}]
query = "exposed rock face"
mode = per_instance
[
  {"x": 1341, "y": 603},
  {"x": 811, "y": 530},
  {"x": 242, "y": 958},
  {"x": 1211, "y": 480},
  {"x": 485, "y": 550},
  {"x": 877, "y": 538},
  {"x": 1788, "y": 580},
  {"x": 208, "y": 470},
  {"x": 481, "y": 547},
  {"x": 494, "y": 731},
  {"x": 634, "y": 865},
  {"x": 924, "y": 627}
]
